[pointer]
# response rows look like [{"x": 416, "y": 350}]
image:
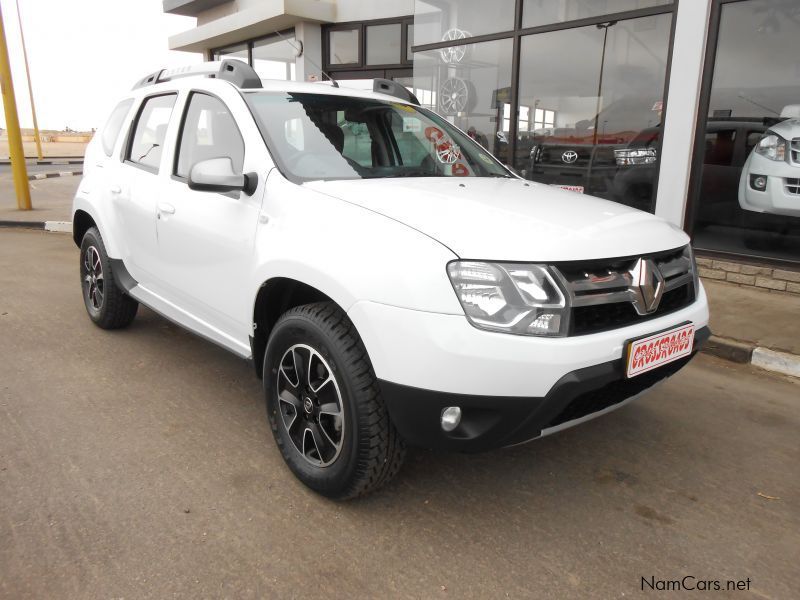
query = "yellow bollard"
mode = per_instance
[{"x": 18, "y": 168}]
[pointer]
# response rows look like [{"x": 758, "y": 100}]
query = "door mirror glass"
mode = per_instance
[{"x": 217, "y": 175}]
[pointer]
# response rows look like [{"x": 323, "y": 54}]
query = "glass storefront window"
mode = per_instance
[
  {"x": 238, "y": 51},
  {"x": 595, "y": 95},
  {"x": 471, "y": 92},
  {"x": 343, "y": 46},
  {"x": 749, "y": 196},
  {"x": 441, "y": 20},
  {"x": 274, "y": 58},
  {"x": 409, "y": 42},
  {"x": 544, "y": 12},
  {"x": 383, "y": 44}
]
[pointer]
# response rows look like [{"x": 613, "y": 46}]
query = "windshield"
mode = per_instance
[{"x": 324, "y": 136}]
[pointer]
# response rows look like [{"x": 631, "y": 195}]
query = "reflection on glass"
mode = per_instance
[
  {"x": 409, "y": 42},
  {"x": 383, "y": 44},
  {"x": 749, "y": 199},
  {"x": 591, "y": 102},
  {"x": 343, "y": 46},
  {"x": 473, "y": 93},
  {"x": 544, "y": 12},
  {"x": 438, "y": 20},
  {"x": 274, "y": 58}
]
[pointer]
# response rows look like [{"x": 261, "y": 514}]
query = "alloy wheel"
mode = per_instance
[
  {"x": 93, "y": 282},
  {"x": 310, "y": 405}
]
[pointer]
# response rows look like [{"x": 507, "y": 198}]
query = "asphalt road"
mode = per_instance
[{"x": 139, "y": 464}]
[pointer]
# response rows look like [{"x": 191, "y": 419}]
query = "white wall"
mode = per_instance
[
  {"x": 686, "y": 75},
  {"x": 366, "y": 10}
]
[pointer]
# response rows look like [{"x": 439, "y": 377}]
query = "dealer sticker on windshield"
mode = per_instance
[{"x": 656, "y": 350}]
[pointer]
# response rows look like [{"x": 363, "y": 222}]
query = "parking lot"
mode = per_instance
[{"x": 139, "y": 463}]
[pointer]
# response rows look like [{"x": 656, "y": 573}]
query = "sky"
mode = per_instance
[{"x": 85, "y": 55}]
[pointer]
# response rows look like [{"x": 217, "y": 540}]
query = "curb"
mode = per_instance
[
  {"x": 37, "y": 176},
  {"x": 55, "y": 160},
  {"x": 53, "y": 226},
  {"x": 758, "y": 356}
]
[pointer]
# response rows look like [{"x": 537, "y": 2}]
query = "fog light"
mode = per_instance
[
  {"x": 451, "y": 417},
  {"x": 758, "y": 182}
]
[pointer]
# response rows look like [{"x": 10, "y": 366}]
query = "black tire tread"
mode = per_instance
[{"x": 382, "y": 451}]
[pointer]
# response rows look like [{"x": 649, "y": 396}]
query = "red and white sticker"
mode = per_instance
[
  {"x": 652, "y": 352},
  {"x": 578, "y": 189}
]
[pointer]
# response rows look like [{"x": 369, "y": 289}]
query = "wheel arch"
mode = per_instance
[
  {"x": 82, "y": 221},
  {"x": 275, "y": 296}
]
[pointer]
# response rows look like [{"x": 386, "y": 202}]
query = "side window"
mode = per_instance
[
  {"x": 209, "y": 131},
  {"x": 411, "y": 141},
  {"x": 113, "y": 125},
  {"x": 151, "y": 129}
]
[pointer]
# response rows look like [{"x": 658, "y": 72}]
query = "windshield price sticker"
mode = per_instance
[{"x": 411, "y": 125}]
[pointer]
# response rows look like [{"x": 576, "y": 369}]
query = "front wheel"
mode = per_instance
[
  {"x": 324, "y": 404},
  {"x": 107, "y": 305}
]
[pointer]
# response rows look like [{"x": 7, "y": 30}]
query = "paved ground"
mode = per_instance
[
  {"x": 139, "y": 464},
  {"x": 51, "y": 199},
  {"x": 751, "y": 315},
  {"x": 59, "y": 149}
]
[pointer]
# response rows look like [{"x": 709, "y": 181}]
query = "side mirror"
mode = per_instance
[{"x": 217, "y": 175}]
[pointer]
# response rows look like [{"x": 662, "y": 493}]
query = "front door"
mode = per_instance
[{"x": 206, "y": 239}]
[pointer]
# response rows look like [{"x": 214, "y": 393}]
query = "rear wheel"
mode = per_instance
[
  {"x": 107, "y": 305},
  {"x": 324, "y": 404}
]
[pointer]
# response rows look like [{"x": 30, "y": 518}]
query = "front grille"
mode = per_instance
[
  {"x": 602, "y": 317},
  {"x": 614, "y": 392},
  {"x": 792, "y": 186},
  {"x": 795, "y": 150},
  {"x": 602, "y": 296}
]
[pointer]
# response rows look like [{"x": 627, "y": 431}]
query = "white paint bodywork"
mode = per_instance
[{"x": 378, "y": 248}]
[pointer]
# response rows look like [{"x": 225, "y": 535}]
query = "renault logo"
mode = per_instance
[
  {"x": 647, "y": 286},
  {"x": 569, "y": 157}
]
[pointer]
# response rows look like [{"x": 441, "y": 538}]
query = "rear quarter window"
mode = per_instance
[{"x": 114, "y": 125}]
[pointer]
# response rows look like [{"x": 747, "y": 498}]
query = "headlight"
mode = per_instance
[
  {"x": 689, "y": 252},
  {"x": 513, "y": 298},
  {"x": 635, "y": 156},
  {"x": 772, "y": 146}
]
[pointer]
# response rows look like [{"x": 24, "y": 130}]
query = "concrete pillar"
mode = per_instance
[
  {"x": 309, "y": 64},
  {"x": 688, "y": 55}
]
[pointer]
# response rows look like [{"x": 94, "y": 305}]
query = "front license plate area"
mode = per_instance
[{"x": 653, "y": 351}]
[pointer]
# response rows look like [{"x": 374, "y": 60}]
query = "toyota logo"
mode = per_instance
[
  {"x": 647, "y": 286},
  {"x": 569, "y": 157}
]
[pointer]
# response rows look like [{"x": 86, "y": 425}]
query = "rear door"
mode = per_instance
[
  {"x": 137, "y": 191},
  {"x": 206, "y": 239}
]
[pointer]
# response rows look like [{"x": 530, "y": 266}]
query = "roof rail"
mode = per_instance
[
  {"x": 392, "y": 88},
  {"x": 239, "y": 73}
]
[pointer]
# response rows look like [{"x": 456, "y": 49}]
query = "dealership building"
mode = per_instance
[{"x": 689, "y": 108}]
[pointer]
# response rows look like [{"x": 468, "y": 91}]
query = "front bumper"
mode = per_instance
[
  {"x": 495, "y": 421},
  {"x": 514, "y": 387},
  {"x": 777, "y": 199}
]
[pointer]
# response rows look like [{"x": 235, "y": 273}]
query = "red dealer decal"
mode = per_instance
[{"x": 657, "y": 350}]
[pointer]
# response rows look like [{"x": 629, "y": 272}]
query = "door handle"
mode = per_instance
[
  {"x": 165, "y": 208},
  {"x": 116, "y": 189}
]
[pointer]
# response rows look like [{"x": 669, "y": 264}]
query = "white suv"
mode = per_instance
[{"x": 390, "y": 280}]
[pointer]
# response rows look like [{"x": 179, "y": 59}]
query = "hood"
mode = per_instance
[
  {"x": 788, "y": 129},
  {"x": 510, "y": 219}
]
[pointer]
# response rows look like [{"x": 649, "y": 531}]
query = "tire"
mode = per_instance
[
  {"x": 107, "y": 305},
  {"x": 338, "y": 403}
]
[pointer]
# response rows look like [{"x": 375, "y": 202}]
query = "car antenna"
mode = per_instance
[{"x": 313, "y": 64}]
